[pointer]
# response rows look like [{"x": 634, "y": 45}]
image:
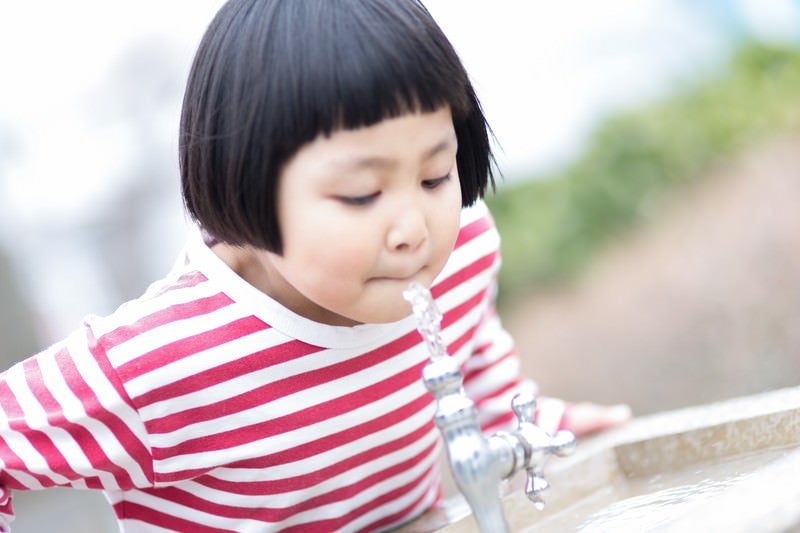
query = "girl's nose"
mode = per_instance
[{"x": 408, "y": 231}]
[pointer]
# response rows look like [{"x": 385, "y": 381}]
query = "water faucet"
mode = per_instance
[{"x": 479, "y": 463}]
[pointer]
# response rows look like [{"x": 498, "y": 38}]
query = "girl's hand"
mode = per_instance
[
  {"x": 585, "y": 418},
  {"x": 581, "y": 418}
]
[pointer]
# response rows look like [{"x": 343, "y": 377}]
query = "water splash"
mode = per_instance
[{"x": 429, "y": 318}]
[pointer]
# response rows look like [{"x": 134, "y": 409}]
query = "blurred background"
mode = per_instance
[{"x": 649, "y": 200}]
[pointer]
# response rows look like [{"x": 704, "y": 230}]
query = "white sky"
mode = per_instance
[
  {"x": 56, "y": 67},
  {"x": 544, "y": 71},
  {"x": 532, "y": 64}
]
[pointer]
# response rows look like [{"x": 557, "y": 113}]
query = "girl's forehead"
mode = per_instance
[{"x": 419, "y": 135}]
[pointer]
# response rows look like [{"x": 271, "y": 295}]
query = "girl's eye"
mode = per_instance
[
  {"x": 359, "y": 200},
  {"x": 432, "y": 184}
]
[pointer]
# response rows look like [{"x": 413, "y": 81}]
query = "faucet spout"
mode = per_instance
[
  {"x": 479, "y": 463},
  {"x": 472, "y": 460}
]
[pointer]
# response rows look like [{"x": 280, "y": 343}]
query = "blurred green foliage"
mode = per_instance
[{"x": 551, "y": 225}]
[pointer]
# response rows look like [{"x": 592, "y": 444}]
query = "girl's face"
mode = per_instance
[{"x": 363, "y": 213}]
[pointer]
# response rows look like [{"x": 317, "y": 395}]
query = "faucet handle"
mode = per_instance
[
  {"x": 535, "y": 486},
  {"x": 538, "y": 446},
  {"x": 524, "y": 406},
  {"x": 562, "y": 443}
]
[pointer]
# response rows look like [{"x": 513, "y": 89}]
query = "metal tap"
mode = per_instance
[{"x": 479, "y": 463}]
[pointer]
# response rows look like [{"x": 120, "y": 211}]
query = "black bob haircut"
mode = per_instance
[{"x": 271, "y": 75}]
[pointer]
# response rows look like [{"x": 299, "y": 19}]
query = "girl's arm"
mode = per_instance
[
  {"x": 65, "y": 420},
  {"x": 492, "y": 373},
  {"x": 492, "y": 378}
]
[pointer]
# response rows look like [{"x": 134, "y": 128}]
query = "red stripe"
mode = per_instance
[
  {"x": 460, "y": 342},
  {"x": 273, "y": 514},
  {"x": 190, "y": 279},
  {"x": 284, "y": 387},
  {"x": 478, "y": 372},
  {"x": 497, "y": 392},
  {"x": 187, "y": 346},
  {"x": 126, "y": 510},
  {"x": 271, "y": 356},
  {"x": 473, "y": 229},
  {"x": 8, "y": 481},
  {"x": 173, "y": 313},
  {"x": 80, "y": 435},
  {"x": 458, "y": 312},
  {"x": 17, "y": 422},
  {"x": 479, "y": 350},
  {"x": 94, "y": 408},
  {"x": 297, "y": 419},
  {"x": 336, "y": 524},
  {"x": 277, "y": 389},
  {"x": 345, "y": 436},
  {"x": 465, "y": 274},
  {"x": 274, "y": 390},
  {"x": 278, "y": 486},
  {"x": 318, "y": 446},
  {"x": 501, "y": 421},
  {"x": 400, "y": 517},
  {"x": 39, "y": 439}
]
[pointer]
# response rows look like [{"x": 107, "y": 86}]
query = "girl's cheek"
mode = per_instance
[{"x": 343, "y": 255}]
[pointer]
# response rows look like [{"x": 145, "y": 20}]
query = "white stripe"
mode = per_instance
[
  {"x": 429, "y": 483},
  {"x": 474, "y": 212},
  {"x": 486, "y": 383},
  {"x": 79, "y": 484},
  {"x": 210, "y": 358},
  {"x": 16, "y": 440},
  {"x": 152, "y": 501},
  {"x": 108, "y": 398},
  {"x": 502, "y": 404},
  {"x": 170, "y": 332},
  {"x": 134, "y": 310},
  {"x": 500, "y": 344},
  {"x": 329, "y": 485},
  {"x": 137, "y": 526},
  {"x": 303, "y": 466},
  {"x": 302, "y": 399},
  {"x": 37, "y": 417},
  {"x": 288, "y": 439},
  {"x": 462, "y": 292},
  {"x": 314, "y": 394},
  {"x": 470, "y": 251},
  {"x": 340, "y": 508},
  {"x": 223, "y": 353},
  {"x": 23, "y": 478}
]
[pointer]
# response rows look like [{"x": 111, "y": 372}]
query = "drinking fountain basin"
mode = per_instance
[{"x": 728, "y": 466}]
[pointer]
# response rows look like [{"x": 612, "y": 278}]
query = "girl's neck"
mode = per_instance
[{"x": 245, "y": 263}]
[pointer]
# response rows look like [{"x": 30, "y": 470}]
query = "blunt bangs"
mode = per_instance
[{"x": 271, "y": 75}]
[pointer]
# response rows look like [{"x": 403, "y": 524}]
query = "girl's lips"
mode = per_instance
[{"x": 400, "y": 277}]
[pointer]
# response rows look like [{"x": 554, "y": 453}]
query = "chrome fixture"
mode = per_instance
[{"x": 479, "y": 463}]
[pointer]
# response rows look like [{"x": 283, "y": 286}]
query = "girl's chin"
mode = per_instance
[
  {"x": 384, "y": 316},
  {"x": 383, "y": 305},
  {"x": 395, "y": 309}
]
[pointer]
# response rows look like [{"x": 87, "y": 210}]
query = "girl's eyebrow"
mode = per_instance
[{"x": 379, "y": 162}]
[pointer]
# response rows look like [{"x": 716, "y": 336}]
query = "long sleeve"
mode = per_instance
[
  {"x": 65, "y": 420},
  {"x": 493, "y": 377},
  {"x": 492, "y": 373}
]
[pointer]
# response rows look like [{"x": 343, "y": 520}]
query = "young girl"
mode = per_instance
[{"x": 332, "y": 151}]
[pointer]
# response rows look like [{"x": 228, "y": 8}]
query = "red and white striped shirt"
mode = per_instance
[{"x": 206, "y": 406}]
